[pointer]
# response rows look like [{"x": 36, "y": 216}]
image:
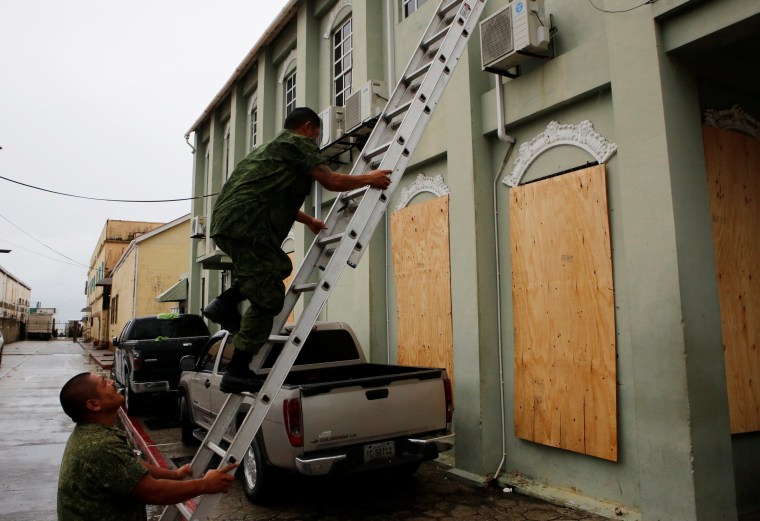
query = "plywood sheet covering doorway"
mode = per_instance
[
  {"x": 564, "y": 314},
  {"x": 733, "y": 176},
  {"x": 420, "y": 244}
]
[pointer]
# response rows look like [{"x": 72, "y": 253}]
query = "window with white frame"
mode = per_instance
[
  {"x": 290, "y": 92},
  {"x": 342, "y": 63},
  {"x": 253, "y": 123},
  {"x": 207, "y": 176},
  {"x": 411, "y": 6},
  {"x": 226, "y": 153}
]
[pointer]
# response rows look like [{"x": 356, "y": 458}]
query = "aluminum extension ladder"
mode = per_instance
[{"x": 350, "y": 225}]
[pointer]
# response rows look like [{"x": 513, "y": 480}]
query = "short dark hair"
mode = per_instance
[
  {"x": 300, "y": 115},
  {"x": 74, "y": 396}
]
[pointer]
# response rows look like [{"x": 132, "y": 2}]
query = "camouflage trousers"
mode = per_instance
[{"x": 258, "y": 267}]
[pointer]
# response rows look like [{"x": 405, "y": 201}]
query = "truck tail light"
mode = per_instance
[
  {"x": 449, "y": 393},
  {"x": 136, "y": 361},
  {"x": 293, "y": 421}
]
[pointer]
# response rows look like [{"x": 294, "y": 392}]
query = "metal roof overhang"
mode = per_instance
[
  {"x": 106, "y": 281},
  {"x": 176, "y": 293}
]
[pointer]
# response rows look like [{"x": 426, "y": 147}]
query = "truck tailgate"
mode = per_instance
[{"x": 357, "y": 413}]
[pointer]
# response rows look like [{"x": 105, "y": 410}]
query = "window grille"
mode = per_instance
[{"x": 342, "y": 63}]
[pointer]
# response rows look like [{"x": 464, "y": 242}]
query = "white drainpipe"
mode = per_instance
[{"x": 510, "y": 141}]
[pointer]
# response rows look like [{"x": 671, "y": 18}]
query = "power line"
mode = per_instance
[
  {"x": 104, "y": 199},
  {"x": 621, "y": 10},
  {"x": 45, "y": 245},
  {"x": 77, "y": 265}
]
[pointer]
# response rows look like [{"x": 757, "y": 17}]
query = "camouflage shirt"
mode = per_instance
[
  {"x": 267, "y": 188},
  {"x": 99, "y": 470}
]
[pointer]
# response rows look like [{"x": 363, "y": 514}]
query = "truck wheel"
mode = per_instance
[
  {"x": 186, "y": 423},
  {"x": 256, "y": 476},
  {"x": 131, "y": 400}
]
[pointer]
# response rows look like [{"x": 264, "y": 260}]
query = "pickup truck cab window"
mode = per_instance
[{"x": 209, "y": 359}]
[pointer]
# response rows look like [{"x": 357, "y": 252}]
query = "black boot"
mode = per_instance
[
  {"x": 224, "y": 309},
  {"x": 239, "y": 378}
]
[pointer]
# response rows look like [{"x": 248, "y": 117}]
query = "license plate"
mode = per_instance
[{"x": 375, "y": 451}]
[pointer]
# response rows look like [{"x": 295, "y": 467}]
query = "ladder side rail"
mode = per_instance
[
  {"x": 418, "y": 58},
  {"x": 418, "y": 116}
]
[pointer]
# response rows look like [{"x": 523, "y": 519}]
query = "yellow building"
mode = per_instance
[
  {"x": 149, "y": 266},
  {"x": 113, "y": 240},
  {"x": 14, "y": 305}
]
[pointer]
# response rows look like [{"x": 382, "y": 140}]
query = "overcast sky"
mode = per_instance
[{"x": 95, "y": 98}]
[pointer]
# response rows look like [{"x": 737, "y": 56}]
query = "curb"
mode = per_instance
[{"x": 142, "y": 441}]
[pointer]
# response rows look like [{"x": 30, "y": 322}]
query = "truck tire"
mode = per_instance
[
  {"x": 131, "y": 400},
  {"x": 186, "y": 423},
  {"x": 256, "y": 475}
]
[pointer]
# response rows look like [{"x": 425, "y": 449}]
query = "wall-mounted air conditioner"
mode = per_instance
[
  {"x": 198, "y": 227},
  {"x": 513, "y": 35},
  {"x": 366, "y": 103},
  {"x": 333, "y": 125}
]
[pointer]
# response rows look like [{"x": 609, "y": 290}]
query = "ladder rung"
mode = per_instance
[
  {"x": 448, "y": 7},
  {"x": 330, "y": 239},
  {"x": 186, "y": 512},
  {"x": 416, "y": 74},
  {"x": 353, "y": 194},
  {"x": 436, "y": 37},
  {"x": 303, "y": 288},
  {"x": 278, "y": 339},
  {"x": 216, "y": 449},
  {"x": 398, "y": 110},
  {"x": 379, "y": 150}
]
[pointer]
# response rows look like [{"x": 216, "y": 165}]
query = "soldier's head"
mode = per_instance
[
  {"x": 304, "y": 121},
  {"x": 89, "y": 398}
]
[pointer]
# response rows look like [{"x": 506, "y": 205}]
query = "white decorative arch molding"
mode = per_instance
[
  {"x": 434, "y": 185},
  {"x": 334, "y": 12},
  {"x": 285, "y": 67},
  {"x": 581, "y": 135},
  {"x": 735, "y": 118}
]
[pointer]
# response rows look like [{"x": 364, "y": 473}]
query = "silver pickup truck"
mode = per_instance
[{"x": 336, "y": 413}]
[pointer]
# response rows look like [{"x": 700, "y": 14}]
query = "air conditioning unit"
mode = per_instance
[
  {"x": 198, "y": 227},
  {"x": 366, "y": 103},
  {"x": 513, "y": 35},
  {"x": 333, "y": 125}
]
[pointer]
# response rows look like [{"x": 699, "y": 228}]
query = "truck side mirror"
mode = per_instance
[
  {"x": 187, "y": 363},
  {"x": 115, "y": 341}
]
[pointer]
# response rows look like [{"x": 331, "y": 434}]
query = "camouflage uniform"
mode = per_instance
[
  {"x": 98, "y": 472},
  {"x": 252, "y": 217}
]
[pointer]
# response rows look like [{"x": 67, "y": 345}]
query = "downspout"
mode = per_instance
[
  {"x": 187, "y": 140},
  {"x": 510, "y": 141},
  {"x": 391, "y": 55},
  {"x": 134, "y": 287}
]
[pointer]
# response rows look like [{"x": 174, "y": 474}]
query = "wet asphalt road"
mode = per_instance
[{"x": 35, "y": 430}]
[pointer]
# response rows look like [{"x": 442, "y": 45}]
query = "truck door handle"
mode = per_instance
[
  {"x": 207, "y": 384},
  {"x": 377, "y": 394}
]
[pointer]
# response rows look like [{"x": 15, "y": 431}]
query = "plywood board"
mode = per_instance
[
  {"x": 733, "y": 176},
  {"x": 420, "y": 244},
  {"x": 562, "y": 290}
]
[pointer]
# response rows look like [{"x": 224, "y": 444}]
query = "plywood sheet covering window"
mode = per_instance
[
  {"x": 565, "y": 386},
  {"x": 420, "y": 243},
  {"x": 733, "y": 176}
]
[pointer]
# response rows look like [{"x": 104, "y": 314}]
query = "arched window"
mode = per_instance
[
  {"x": 342, "y": 62},
  {"x": 253, "y": 122},
  {"x": 411, "y": 6}
]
